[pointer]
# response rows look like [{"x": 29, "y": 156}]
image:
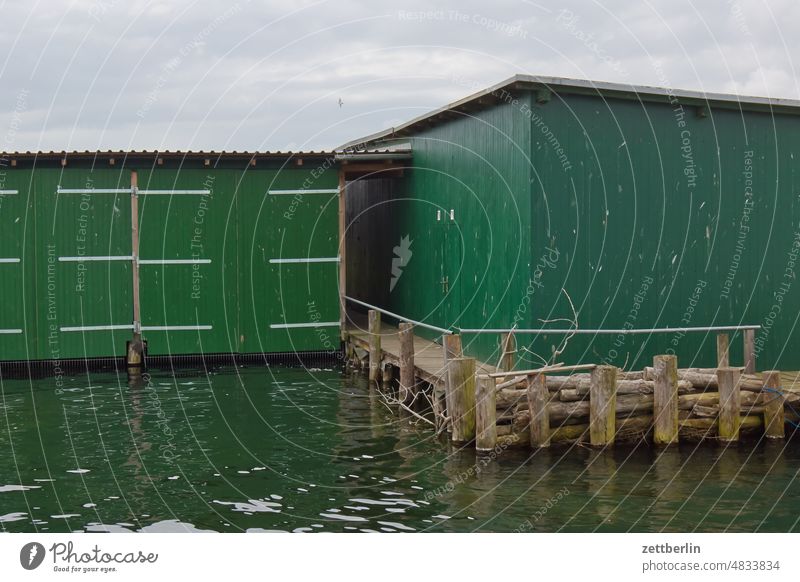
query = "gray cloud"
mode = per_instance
[{"x": 107, "y": 74}]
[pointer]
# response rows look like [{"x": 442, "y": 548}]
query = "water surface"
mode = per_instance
[{"x": 289, "y": 449}]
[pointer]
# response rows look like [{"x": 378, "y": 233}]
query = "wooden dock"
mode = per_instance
[
  {"x": 429, "y": 357},
  {"x": 597, "y": 405}
]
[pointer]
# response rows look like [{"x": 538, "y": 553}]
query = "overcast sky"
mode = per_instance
[{"x": 280, "y": 75}]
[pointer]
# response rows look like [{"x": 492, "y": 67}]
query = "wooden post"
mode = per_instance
[
  {"x": 602, "y": 405},
  {"x": 342, "y": 255},
  {"x": 452, "y": 349},
  {"x": 135, "y": 347},
  {"x": 730, "y": 403},
  {"x": 773, "y": 405},
  {"x": 485, "y": 414},
  {"x": 723, "y": 351},
  {"x": 374, "y": 329},
  {"x": 461, "y": 375},
  {"x": 508, "y": 351},
  {"x": 749, "y": 337},
  {"x": 387, "y": 373},
  {"x": 408, "y": 384},
  {"x": 538, "y": 399},
  {"x": 665, "y": 400}
]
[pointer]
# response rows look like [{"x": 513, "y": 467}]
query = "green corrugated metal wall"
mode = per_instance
[
  {"x": 466, "y": 271},
  {"x": 641, "y": 228},
  {"x": 640, "y": 213},
  {"x": 239, "y": 227}
]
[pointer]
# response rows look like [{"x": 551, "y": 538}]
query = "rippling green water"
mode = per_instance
[{"x": 294, "y": 450}]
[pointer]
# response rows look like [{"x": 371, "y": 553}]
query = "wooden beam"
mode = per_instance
[
  {"x": 137, "y": 308},
  {"x": 602, "y": 406},
  {"x": 374, "y": 329},
  {"x": 461, "y": 374},
  {"x": 730, "y": 403},
  {"x": 552, "y": 369},
  {"x": 749, "y": 338},
  {"x": 538, "y": 400},
  {"x": 135, "y": 348},
  {"x": 508, "y": 351},
  {"x": 408, "y": 384},
  {"x": 774, "y": 419},
  {"x": 723, "y": 351},
  {"x": 485, "y": 414},
  {"x": 665, "y": 400},
  {"x": 452, "y": 349}
]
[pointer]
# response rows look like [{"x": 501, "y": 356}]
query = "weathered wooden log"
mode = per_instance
[
  {"x": 510, "y": 398},
  {"x": 623, "y": 387},
  {"x": 689, "y": 401},
  {"x": 538, "y": 407},
  {"x": 485, "y": 414},
  {"x": 649, "y": 373},
  {"x": 702, "y": 428},
  {"x": 628, "y": 430},
  {"x": 665, "y": 400},
  {"x": 461, "y": 384},
  {"x": 561, "y": 412},
  {"x": 774, "y": 419},
  {"x": 700, "y": 411},
  {"x": 706, "y": 379},
  {"x": 730, "y": 403},
  {"x": 515, "y": 402},
  {"x": 374, "y": 329},
  {"x": 556, "y": 383}
]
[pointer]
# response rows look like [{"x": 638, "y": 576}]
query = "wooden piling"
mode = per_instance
[
  {"x": 461, "y": 384},
  {"x": 452, "y": 349},
  {"x": 602, "y": 405},
  {"x": 134, "y": 355},
  {"x": 408, "y": 382},
  {"x": 723, "y": 350},
  {"x": 538, "y": 400},
  {"x": 485, "y": 414},
  {"x": 730, "y": 403},
  {"x": 749, "y": 338},
  {"x": 374, "y": 330},
  {"x": 774, "y": 420},
  {"x": 665, "y": 400},
  {"x": 387, "y": 375},
  {"x": 508, "y": 351},
  {"x": 136, "y": 340}
]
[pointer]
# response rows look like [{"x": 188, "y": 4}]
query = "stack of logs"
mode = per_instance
[
  {"x": 608, "y": 405},
  {"x": 596, "y": 404}
]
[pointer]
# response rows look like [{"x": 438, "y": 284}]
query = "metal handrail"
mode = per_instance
[
  {"x": 396, "y": 316},
  {"x": 616, "y": 331}
]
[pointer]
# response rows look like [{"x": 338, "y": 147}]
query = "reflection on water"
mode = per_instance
[{"x": 281, "y": 449}]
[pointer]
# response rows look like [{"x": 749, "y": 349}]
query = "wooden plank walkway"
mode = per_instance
[{"x": 428, "y": 355}]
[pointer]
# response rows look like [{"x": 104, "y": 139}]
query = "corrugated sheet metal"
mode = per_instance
[
  {"x": 229, "y": 292},
  {"x": 647, "y": 213}
]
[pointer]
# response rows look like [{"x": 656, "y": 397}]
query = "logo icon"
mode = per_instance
[
  {"x": 402, "y": 254},
  {"x": 31, "y": 555}
]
